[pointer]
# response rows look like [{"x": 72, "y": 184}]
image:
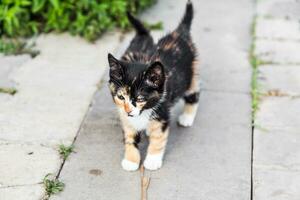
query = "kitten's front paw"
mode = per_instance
[
  {"x": 186, "y": 120},
  {"x": 129, "y": 165},
  {"x": 153, "y": 162}
]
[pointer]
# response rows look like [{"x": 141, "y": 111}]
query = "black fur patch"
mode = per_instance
[
  {"x": 137, "y": 139},
  {"x": 165, "y": 126},
  {"x": 192, "y": 98}
]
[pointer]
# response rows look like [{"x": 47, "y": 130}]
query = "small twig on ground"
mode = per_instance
[{"x": 145, "y": 181}]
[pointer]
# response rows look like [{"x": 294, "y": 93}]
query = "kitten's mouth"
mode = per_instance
[{"x": 129, "y": 115}]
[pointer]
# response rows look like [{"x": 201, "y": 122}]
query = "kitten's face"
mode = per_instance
[{"x": 135, "y": 87}]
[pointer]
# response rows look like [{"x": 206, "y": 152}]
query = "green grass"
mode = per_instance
[
  {"x": 11, "y": 91},
  {"x": 255, "y": 62},
  {"x": 52, "y": 185},
  {"x": 65, "y": 151},
  {"x": 16, "y": 47}
]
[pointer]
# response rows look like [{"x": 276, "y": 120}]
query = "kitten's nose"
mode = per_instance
[{"x": 127, "y": 108}]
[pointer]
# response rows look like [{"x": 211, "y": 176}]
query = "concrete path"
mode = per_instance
[
  {"x": 211, "y": 160},
  {"x": 226, "y": 154},
  {"x": 54, "y": 91},
  {"x": 276, "y": 153}
]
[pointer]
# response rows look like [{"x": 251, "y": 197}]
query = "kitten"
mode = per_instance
[{"x": 147, "y": 81}]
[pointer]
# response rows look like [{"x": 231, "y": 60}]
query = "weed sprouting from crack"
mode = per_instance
[
  {"x": 65, "y": 151},
  {"x": 255, "y": 62},
  {"x": 52, "y": 185}
]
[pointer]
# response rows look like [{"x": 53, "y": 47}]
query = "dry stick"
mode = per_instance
[{"x": 145, "y": 181}]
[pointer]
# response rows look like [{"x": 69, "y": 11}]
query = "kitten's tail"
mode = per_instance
[
  {"x": 186, "y": 22},
  {"x": 137, "y": 24}
]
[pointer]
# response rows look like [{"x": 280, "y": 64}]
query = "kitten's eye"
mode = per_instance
[{"x": 121, "y": 97}]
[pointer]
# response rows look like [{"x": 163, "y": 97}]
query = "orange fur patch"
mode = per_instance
[
  {"x": 175, "y": 34},
  {"x": 169, "y": 45},
  {"x": 189, "y": 108},
  {"x": 132, "y": 153},
  {"x": 127, "y": 107},
  {"x": 158, "y": 138},
  {"x": 194, "y": 87}
]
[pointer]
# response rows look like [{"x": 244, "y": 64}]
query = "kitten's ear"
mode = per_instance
[
  {"x": 115, "y": 68},
  {"x": 155, "y": 75}
]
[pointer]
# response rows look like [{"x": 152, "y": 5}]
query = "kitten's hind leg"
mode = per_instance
[
  {"x": 191, "y": 99},
  {"x": 187, "y": 118}
]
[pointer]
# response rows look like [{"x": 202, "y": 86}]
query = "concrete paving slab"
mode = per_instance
[
  {"x": 276, "y": 149},
  {"x": 279, "y": 29},
  {"x": 285, "y": 79},
  {"x": 281, "y": 113},
  {"x": 279, "y": 52},
  {"x": 276, "y": 168},
  {"x": 277, "y": 137},
  {"x": 24, "y": 164},
  {"x": 55, "y": 89},
  {"x": 9, "y": 64},
  {"x": 27, "y": 192},
  {"x": 276, "y": 185},
  {"x": 288, "y": 9}
]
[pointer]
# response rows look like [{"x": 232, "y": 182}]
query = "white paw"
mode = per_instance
[
  {"x": 186, "y": 120},
  {"x": 153, "y": 162},
  {"x": 129, "y": 165}
]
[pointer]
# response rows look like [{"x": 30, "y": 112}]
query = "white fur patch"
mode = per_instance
[
  {"x": 141, "y": 121},
  {"x": 187, "y": 119},
  {"x": 129, "y": 166},
  {"x": 135, "y": 111},
  {"x": 153, "y": 162}
]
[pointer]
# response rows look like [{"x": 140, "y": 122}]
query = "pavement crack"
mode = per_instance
[
  {"x": 253, "y": 60},
  {"x": 19, "y": 185},
  {"x": 224, "y": 91},
  {"x": 278, "y": 167}
]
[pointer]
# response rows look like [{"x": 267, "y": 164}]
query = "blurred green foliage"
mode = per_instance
[
  {"x": 87, "y": 18},
  {"x": 16, "y": 47}
]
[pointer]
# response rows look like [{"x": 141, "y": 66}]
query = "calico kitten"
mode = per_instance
[{"x": 147, "y": 81}]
